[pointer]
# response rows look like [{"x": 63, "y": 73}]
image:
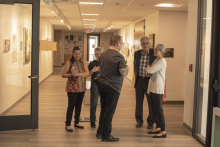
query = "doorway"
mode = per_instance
[
  {"x": 207, "y": 96},
  {"x": 93, "y": 42},
  {"x": 19, "y": 68}
]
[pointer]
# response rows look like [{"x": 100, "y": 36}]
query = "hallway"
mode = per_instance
[{"x": 52, "y": 110}]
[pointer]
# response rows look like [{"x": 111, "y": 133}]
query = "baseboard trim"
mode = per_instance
[
  {"x": 187, "y": 127},
  {"x": 18, "y": 101},
  {"x": 128, "y": 80},
  {"x": 173, "y": 102}
]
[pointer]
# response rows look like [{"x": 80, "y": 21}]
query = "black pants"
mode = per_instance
[
  {"x": 141, "y": 89},
  {"x": 109, "y": 100},
  {"x": 74, "y": 100},
  {"x": 158, "y": 110}
]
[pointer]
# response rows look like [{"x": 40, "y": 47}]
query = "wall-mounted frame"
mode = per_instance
[{"x": 19, "y": 122}]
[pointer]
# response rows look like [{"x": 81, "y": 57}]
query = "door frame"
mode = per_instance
[
  {"x": 88, "y": 35},
  {"x": 21, "y": 122},
  {"x": 214, "y": 69}
]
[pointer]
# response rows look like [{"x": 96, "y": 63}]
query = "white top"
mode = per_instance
[{"x": 157, "y": 79}]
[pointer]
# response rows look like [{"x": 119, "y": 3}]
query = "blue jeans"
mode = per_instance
[{"x": 94, "y": 95}]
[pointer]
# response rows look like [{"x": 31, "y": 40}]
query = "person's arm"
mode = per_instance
[
  {"x": 84, "y": 74},
  {"x": 124, "y": 71},
  {"x": 156, "y": 67},
  {"x": 94, "y": 69},
  {"x": 65, "y": 70}
]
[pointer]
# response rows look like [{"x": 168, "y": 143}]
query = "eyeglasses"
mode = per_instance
[
  {"x": 145, "y": 43},
  {"x": 121, "y": 43},
  {"x": 157, "y": 49}
]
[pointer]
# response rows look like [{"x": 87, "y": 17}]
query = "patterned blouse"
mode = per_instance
[{"x": 76, "y": 84}]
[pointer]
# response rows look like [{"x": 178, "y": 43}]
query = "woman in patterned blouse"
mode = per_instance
[{"x": 76, "y": 71}]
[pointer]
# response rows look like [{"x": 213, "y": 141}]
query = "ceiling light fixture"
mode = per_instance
[
  {"x": 89, "y": 14},
  {"x": 61, "y": 20},
  {"x": 90, "y": 19},
  {"x": 90, "y": 3},
  {"x": 88, "y": 24},
  {"x": 108, "y": 27},
  {"x": 168, "y": 5}
]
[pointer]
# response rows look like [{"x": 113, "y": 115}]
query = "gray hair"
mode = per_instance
[
  {"x": 145, "y": 37},
  {"x": 98, "y": 49},
  {"x": 162, "y": 48}
]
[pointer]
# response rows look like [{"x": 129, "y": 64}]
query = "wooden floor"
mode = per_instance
[{"x": 52, "y": 111}]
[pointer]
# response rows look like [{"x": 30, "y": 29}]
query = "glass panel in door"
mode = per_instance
[
  {"x": 15, "y": 59},
  {"x": 93, "y": 43},
  {"x": 204, "y": 73}
]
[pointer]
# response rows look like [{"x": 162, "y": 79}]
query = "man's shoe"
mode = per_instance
[
  {"x": 93, "y": 124},
  {"x": 98, "y": 135},
  {"x": 110, "y": 139},
  {"x": 138, "y": 125},
  {"x": 162, "y": 136},
  {"x": 81, "y": 127},
  {"x": 150, "y": 126}
]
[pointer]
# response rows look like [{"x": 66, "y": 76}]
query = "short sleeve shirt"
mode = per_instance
[
  {"x": 91, "y": 66},
  {"x": 110, "y": 63}
]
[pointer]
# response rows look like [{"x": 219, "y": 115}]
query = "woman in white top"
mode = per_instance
[{"x": 156, "y": 89}]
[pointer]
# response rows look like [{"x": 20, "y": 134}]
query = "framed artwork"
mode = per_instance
[
  {"x": 79, "y": 38},
  {"x": 27, "y": 45},
  {"x": 169, "y": 53},
  {"x": 71, "y": 37},
  {"x": 6, "y": 43},
  {"x": 14, "y": 49},
  {"x": 67, "y": 38},
  {"x": 152, "y": 40}
]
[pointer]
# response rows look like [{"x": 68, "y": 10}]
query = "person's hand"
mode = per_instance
[
  {"x": 148, "y": 66},
  {"x": 74, "y": 73},
  {"x": 95, "y": 69},
  {"x": 128, "y": 68}
]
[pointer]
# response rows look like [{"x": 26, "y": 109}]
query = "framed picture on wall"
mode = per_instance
[
  {"x": 14, "y": 49},
  {"x": 71, "y": 37},
  {"x": 6, "y": 43},
  {"x": 169, "y": 53},
  {"x": 152, "y": 40}
]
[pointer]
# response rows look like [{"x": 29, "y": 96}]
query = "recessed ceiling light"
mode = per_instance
[
  {"x": 89, "y": 14},
  {"x": 89, "y": 24},
  {"x": 168, "y": 5},
  {"x": 90, "y": 3},
  {"x": 61, "y": 20},
  {"x": 90, "y": 19}
]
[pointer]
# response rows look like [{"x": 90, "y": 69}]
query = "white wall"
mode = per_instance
[
  {"x": 166, "y": 27},
  {"x": 190, "y": 59},
  {"x": 45, "y": 57},
  {"x": 173, "y": 34},
  {"x": 14, "y": 81}
]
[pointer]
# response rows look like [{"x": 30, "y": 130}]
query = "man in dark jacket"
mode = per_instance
[{"x": 143, "y": 58}]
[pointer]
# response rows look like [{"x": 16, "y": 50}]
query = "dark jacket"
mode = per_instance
[{"x": 137, "y": 57}]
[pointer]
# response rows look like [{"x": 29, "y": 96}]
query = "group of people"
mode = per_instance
[{"x": 107, "y": 73}]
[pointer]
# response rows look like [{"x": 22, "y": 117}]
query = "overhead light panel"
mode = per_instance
[
  {"x": 90, "y": 3},
  {"x": 168, "y": 5},
  {"x": 88, "y": 24},
  {"x": 90, "y": 19},
  {"x": 89, "y": 14},
  {"x": 108, "y": 27}
]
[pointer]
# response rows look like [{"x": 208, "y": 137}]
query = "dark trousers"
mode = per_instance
[
  {"x": 74, "y": 100},
  {"x": 141, "y": 89},
  {"x": 94, "y": 95},
  {"x": 158, "y": 110},
  {"x": 109, "y": 100}
]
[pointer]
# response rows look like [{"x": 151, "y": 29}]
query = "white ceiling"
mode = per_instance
[{"x": 126, "y": 12}]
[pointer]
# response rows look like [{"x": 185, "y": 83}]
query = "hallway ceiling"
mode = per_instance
[{"x": 119, "y": 12}]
